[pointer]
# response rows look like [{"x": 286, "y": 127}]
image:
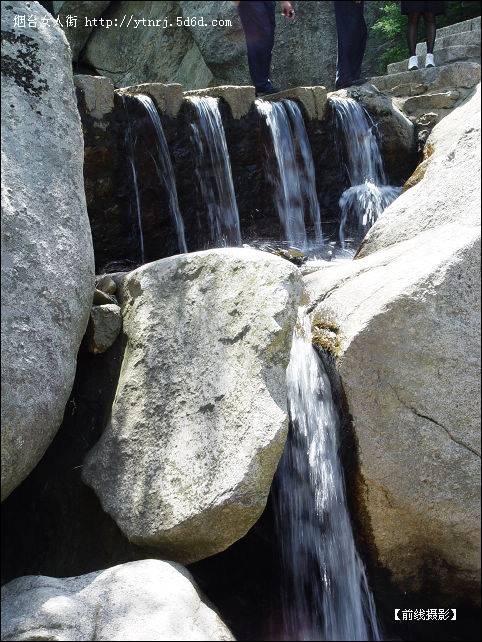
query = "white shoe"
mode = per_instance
[
  {"x": 413, "y": 63},
  {"x": 429, "y": 61}
]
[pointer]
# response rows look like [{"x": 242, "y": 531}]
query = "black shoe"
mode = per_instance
[{"x": 267, "y": 92}]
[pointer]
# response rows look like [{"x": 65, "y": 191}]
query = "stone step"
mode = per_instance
[
  {"x": 420, "y": 81},
  {"x": 464, "y": 38},
  {"x": 442, "y": 57},
  {"x": 467, "y": 25},
  {"x": 430, "y": 102}
]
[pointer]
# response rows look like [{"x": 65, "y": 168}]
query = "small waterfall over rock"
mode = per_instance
[
  {"x": 213, "y": 169},
  {"x": 326, "y": 596},
  {"x": 130, "y": 142},
  {"x": 368, "y": 195},
  {"x": 294, "y": 181},
  {"x": 165, "y": 172}
]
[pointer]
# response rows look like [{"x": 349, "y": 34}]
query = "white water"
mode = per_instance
[
  {"x": 213, "y": 168},
  {"x": 165, "y": 172},
  {"x": 130, "y": 145},
  {"x": 326, "y": 596},
  {"x": 294, "y": 181},
  {"x": 368, "y": 195}
]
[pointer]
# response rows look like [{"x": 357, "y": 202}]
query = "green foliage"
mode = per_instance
[{"x": 390, "y": 28}]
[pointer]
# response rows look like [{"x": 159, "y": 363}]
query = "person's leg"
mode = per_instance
[
  {"x": 359, "y": 52},
  {"x": 430, "y": 30},
  {"x": 412, "y": 32},
  {"x": 351, "y": 32},
  {"x": 259, "y": 31}
]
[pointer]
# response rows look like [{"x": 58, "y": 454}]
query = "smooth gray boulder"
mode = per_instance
[
  {"x": 47, "y": 256},
  {"x": 199, "y": 419},
  {"x": 145, "y": 600},
  {"x": 407, "y": 321}
]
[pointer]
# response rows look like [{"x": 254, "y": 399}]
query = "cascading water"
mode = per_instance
[
  {"x": 326, "y": 596},
  {"x": 369, "y": 194},
  {"x": 213, "y": 169},
  {"x": 295, "y": 187},
  {"x": 130, "y": 141},
  {"x": 165, "y": 172}
]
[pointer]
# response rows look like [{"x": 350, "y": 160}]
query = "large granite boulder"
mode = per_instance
[
  {"x": 146, "y": 600},
  {"x": 78, "y": 20},
  {"x": 407, "y": 321},
  {"x": 47, "y": 257},
  {"x": 203, "y": 44},
  {"x": 199, "y": 420},
  {"x": 169, "y": 52}
]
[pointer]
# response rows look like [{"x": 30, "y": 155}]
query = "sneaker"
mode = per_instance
[
  {"x": 429, "y": 61},
  {"x": 413, "y": 63}
]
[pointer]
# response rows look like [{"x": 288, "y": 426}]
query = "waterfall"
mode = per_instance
[
  {"x": 295, "y": 186},
  {"x": 326, "y": 596},
  {"x": 368, "y": 194},
  {"x": 130, "y": 142},
  {"x": 213, "y": 169},
  {"x": 163, "y": 165}
]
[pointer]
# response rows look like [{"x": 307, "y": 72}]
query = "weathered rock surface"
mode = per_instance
[
  {"x": 169, "y": 53},
  {"x": 145, "y": 600},
  {"x": 47, "y": 257},
  {"x": 408, "y": 347},
  {"x": 199, "y": 54},
  {"x": 81, "y": 23},
  {"x": 202, "y": 389},
  {"x": 105, "y": 324}
]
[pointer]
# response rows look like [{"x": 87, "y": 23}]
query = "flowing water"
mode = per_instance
[
  {"x": 163, "y": 165},
  {"x": 326, "y": 594},
  {"x": 369, "y": 194},
  {"x": 294, "y": 178},
  {"x": 130, "y": 142},
  {"x": 213, "y": 169}
]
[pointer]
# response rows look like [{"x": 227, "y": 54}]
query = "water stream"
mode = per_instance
[
  {"x": 130, "y": 143},
  {"x": 213, "y": 169},
  {"x": 163, "y": 165},
  {"x": 294, "y": 175},
  {"x": 369, "y": 194},
  {"x": 325, "y": 595}
]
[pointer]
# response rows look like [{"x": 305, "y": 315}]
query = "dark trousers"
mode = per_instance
[
  {"x": 258, "y": 20},
  {"x": 352, "y": 39}
]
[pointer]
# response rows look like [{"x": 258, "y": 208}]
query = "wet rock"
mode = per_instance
[
  {"x": 396, "y": 131},
  {"x": 145, "y": 600},
  {"x": 47, "y": 257},
  {"x": 239, "y": 99},
  {"x": 407, "y": 312},
  {"x": 202, "y": 389}
]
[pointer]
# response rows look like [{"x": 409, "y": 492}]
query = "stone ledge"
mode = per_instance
[
  {"x": 167, "y": 98},
  {"x": 313, "y": 99},
  {"x": 98, "y": 94},
  {"x": 239, "y": 97}
]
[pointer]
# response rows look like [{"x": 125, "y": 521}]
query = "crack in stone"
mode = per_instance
[{"x": 433, "y": 421}]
